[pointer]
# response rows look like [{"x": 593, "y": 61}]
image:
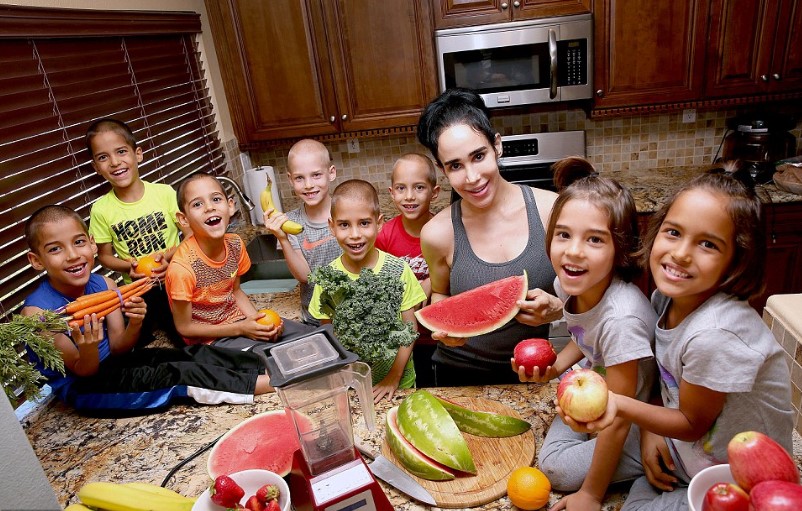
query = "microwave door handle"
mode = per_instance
[{"x": 553, "y": 66}]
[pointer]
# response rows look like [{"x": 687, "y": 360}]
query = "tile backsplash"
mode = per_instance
[{"x": 636, "y": 142}]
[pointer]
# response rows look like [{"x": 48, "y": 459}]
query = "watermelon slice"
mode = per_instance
[
  {"x": 478, "y": 311},
  {"x": 266, "y": 440}
]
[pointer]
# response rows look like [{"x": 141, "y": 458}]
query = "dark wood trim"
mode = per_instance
[
  {"x": 335, "y": 137},
  {"x": 18, "y": 22},
  {"x": 605, "y": 113}
]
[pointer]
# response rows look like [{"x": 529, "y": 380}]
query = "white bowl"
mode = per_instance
[
  {"x": 250, "y": 480},
  {"x": 702, "y": 482}
]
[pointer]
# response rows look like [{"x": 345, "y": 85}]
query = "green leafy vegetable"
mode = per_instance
[
  {"x": 365, "y": 312},
  {"x": 16, "y": 372}
]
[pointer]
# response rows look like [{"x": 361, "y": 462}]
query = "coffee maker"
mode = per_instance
[{"x": 759, "y": 140}]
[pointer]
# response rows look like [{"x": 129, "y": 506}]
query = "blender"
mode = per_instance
[{"x": 312, "y": 376}]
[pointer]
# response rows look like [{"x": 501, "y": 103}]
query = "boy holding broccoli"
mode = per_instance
[{"x": 368, "y": 295}]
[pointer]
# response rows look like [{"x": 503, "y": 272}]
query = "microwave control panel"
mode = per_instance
[{"x": 573, "y": 58}]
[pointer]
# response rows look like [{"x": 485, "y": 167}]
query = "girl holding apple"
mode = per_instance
[
  {"x": 592, "y": 243},
  {"x": 721, "y": 370}
]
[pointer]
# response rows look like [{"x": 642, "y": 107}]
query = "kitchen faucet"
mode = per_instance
[{"x": 244, "y": 199}]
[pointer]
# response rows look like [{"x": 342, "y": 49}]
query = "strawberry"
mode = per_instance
[
  {"x": 255, "y": 504},
  {"x": 226, "y": 492},
  {"x": 267, "y": 492},
  {"x": 273, "y": 505}
]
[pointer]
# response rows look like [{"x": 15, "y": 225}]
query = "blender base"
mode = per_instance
[{"x": 349, "y": 487}]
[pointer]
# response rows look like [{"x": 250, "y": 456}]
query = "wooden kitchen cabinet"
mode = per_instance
[
  {"x": 783, "y": 223},
  {"x": 755, "y": 47},
  {"x": 648, "y": 51},
  {"x": 460, "y": 13},
  {"x": 295, "y": 68}
]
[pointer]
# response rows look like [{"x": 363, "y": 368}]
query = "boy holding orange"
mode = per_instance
[
  {"x": 203, "y": 279},
  {"x": 134, "y": 224}
]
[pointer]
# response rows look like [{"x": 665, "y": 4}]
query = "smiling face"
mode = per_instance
[
  {"x": 693, "y": 249},
  {"x": 468, "y": 159},
  {"x": 582, "y": 252},
  {"x": 310, "y": 173},
  {"x": 115, "y": 159},
  {"x": 206, "y": 209},
  {"x": 355, "y": 225},
  {"x": 412, "y": 191},
  {"x": 66, "y": 252}
]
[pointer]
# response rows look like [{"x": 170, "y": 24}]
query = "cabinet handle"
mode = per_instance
[
  {"x": 777, "y": 76},
  {"x": 600, "y": 93},
  {"x": 765, "y": 78},
  {"x": 345, "y": 117},
  {"x": 332, "y": 119},
  {"x": 516, "y": 4},
  {"x": 504, "y": 5}
]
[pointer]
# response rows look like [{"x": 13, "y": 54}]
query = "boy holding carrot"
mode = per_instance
[
  {"x": 135, "y": 221},
  {"x": 203, "y": 279},
  {"x": 102, "y": 374}
]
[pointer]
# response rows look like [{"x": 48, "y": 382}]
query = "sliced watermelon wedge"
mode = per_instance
[
  {"x": 478, "y": 311},
  {"x": 266, "y": 440}
]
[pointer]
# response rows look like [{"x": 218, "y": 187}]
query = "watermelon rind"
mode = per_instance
[
  {"x": 485, "y": 424},
  {"x": 477, "y": 311},
  {"x": 266, "y": 441},
  {"x": 426, "y": 424},
  {"x": 411, "y": 458}
]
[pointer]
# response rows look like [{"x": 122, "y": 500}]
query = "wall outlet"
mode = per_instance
[
  {"x": 689, "y": 115},
  {"x": 353, "y": 145}
]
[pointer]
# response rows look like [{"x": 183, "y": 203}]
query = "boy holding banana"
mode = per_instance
[{"x": 310, "y": 171}]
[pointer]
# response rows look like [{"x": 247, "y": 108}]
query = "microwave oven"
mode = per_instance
[{"x": 521, "y": 62}]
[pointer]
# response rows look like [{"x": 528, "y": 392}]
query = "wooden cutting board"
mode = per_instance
[{"x": 495, "y": 459}]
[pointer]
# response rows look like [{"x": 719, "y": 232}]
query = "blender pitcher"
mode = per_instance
[{"x": 320, "y": 410}]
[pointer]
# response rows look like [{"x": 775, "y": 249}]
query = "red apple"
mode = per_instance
[
  {"x": 582, "y": 395},
  {"x": 725, "y": 497},
  {"x": 776, "y": 496},
  {"x": 532, "y": 353},
  {"x": 755, "y": 457}
]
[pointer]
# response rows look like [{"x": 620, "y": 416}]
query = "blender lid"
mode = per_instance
[{"x": 311, "y": 355}]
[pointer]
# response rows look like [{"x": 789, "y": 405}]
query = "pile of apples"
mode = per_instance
[{"x": 766, "y": 477}]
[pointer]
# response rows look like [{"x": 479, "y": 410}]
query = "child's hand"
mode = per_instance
[
  {"x": 92, "y": 334},
  {"x": 156, "y": 273},
  {"x": 273, "y": 223},
  {"x": 449, "y": 341},
  {"x": 135, "y": 309},
  {"x": 539, "y": 308},
  {"x": 656, "y": 458},
  {"x": 259, "y": 332},
  {"x": 599, "y": 424},
  {"x": 384, "y": 389},
  {"x": 549, "y": 374}
]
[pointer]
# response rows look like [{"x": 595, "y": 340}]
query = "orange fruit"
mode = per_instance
[
  {"x": 528, "y": 488},
  {"x": 271, "y": 318},
  {"x": 146, "y": 264}
]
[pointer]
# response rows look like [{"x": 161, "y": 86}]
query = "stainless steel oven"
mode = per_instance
[{"x": 520, "y": 63}]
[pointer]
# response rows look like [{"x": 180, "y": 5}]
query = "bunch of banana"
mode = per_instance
[
  {"x": 130, "y": 497},
  {"x": 266, "y": 199}
]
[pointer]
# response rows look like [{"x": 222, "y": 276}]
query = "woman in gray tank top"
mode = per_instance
[{"x": 495, "y": 230}]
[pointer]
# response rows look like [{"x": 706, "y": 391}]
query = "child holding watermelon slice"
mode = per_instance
[
  {"x": 721, "y": 370},
  {"x": 592, "y": 241},
  {"x": 496, "y": 230}
]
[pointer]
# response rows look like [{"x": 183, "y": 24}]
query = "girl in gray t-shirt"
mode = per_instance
[
  {"x": 592, "y": 243},
  {"x": 721, "y": 371}
]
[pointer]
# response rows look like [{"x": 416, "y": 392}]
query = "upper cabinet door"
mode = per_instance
[
  {"x": 648, "y": 51},
  {"x": 461, "y": 13},
  {"x": 275, "y": 66},
  {"x": 786, "y": 64},
  {"x": 382, "y": 55}
]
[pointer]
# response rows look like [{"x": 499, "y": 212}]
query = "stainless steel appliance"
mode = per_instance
[
  {"x": 519, "y": 63},
  {"x": 759, "y": 140}
]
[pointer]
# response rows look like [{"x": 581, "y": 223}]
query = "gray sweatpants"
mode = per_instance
[
  {"x": 566, "y": 456},
  {"x": 645, "y": 497}
]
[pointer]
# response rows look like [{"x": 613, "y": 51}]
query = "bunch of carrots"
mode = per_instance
[{"x": 103, "y": 303}]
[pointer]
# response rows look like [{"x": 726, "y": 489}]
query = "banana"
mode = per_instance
[
  {"x": 158, "y": 490},
  {"x": 121, "y": 497},
  {"x": 266, "y": 200}
]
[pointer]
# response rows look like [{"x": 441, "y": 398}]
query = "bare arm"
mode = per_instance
[
  {"x": 437, "y": 246},
  {"x": 80, "y": 357},
  {"x": 296, "y": 261},
  {"x": 389, "y": 384},
  {"x": 106, "y": 256},
  {"x": 182, "y": 315},
  {"x": 567, "y": 357},
  {"x": 122, "y": 337}
]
